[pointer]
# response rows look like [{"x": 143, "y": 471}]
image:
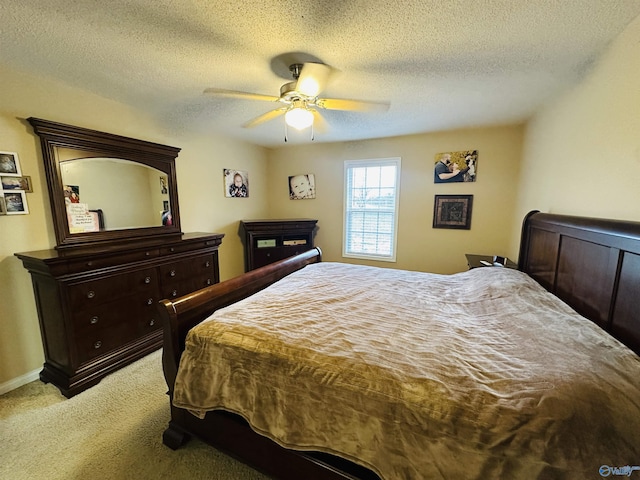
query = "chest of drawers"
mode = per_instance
[
  {"x": 267, "y": 241},
  {"x": 97, "y": 311}
]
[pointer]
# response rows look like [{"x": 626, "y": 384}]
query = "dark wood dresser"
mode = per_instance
[
  {"x": 267, "y": 241},
  {"x": 97, "y": 308}
]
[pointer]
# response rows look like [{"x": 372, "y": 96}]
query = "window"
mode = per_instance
[{"x": 372, "y": 190}]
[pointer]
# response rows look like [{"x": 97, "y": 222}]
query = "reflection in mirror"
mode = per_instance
[{"x": 130, "y": 194}]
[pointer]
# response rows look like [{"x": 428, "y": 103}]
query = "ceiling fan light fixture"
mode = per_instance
[{"x": 299, "y": 118}]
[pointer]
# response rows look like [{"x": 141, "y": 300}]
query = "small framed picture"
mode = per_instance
[
  {"x": 163, "y": 186},
  {"x": 236, "y": 183},
  {"x": 16, "y": 202},
  {"x": 9, "y": 164},
  {"x": 452, "y": 211},
  {"x": 71, "y": 194},
  {"x": 302, "y": 186},
  {"x": 17, "y": 183}
]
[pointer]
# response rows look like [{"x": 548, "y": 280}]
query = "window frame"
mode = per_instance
[{"x": 372, "y": 162}]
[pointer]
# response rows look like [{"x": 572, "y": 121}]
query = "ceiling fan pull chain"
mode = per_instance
[{"x": 285, "y": 132}]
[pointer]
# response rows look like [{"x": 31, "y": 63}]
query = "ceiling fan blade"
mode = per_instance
[
  {"x": 314, "y": 78},
  {"x": 237, "y": 94},
  {"x": 265, "y": 117},
  {"x": 355, "y": 105},
  {"x": 319, "y": 123}
]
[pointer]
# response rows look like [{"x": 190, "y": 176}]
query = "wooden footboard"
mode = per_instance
[{"x": 227, "y": 432}]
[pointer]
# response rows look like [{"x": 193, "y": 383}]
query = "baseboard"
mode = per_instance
[{"x": 19, "y": 381}]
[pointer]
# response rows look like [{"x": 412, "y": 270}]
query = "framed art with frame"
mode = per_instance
[
  {"x": 16, "y": 183},
  {"x": 16, "y": 202},
  {"x": 452, "y": 211},
  {"x": 9, "y": 164},
  {"x": 236, "y": 183}
]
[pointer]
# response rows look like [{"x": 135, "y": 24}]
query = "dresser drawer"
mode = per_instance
[
  {"x": 192, "y": 284},
  {"x": 265, "y": 256},
  {"x": 94, "y": 343},
  {"x": 106, "y": 289},
  {"x": 133, "y": 309},
  {"x": 189, "y": 247},
  {"x": 149, "y": 324},
  {"x": 186, "y": 276},
  {"x": 77, "y": 266}
]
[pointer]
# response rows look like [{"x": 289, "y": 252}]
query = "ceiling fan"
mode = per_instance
[{"x": 300, "y": 98}]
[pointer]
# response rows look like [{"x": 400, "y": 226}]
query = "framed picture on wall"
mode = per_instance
[
  {"x": 453, "y": 167},
  {"x": 452, "y": 211},
  {"x": 236, "y": 183},
  {"x": 302, "y": 186},
  {"x": 16, "y": 202},
  {"x": 9, "y": 164},
  {"x": 16, "y": 183}
]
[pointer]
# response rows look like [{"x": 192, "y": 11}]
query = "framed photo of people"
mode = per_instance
[
  {"x": 13, "y": 185},
  {"x": 15, "y": 202},
  {"x": 236, "y": 183},
  {"x": 302, "y": 187},
  {"x": 16, "y": 183},
  {"x": 454, "y": 167},
  {"x": 10, "y": 164}
]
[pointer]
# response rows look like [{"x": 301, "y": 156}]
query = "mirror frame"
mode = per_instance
[{"x": 55, "y": 135}]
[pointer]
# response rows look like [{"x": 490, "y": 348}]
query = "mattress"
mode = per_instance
[{"x": 480, "y": 374}]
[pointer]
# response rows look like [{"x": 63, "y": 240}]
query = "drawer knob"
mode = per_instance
[
  {"x": 97, "y": 345},
  {"x": 174, "y": 293},
  {"x": 147, "y": 279},
  {"x": 172, "y": 249},
  {"x": 208, "y": 281},
  {"x": 172, "y": 273},
  {"x": 89, "y": 264},
  {"x": 152, "y": 322},
  {"x": 208, "y": 264},
  {"x": 147, "y": 254},
  {"x": 91, "y": 294},
  {"x": 94, "y": 320},
  {"x": 149, "y": 301}
]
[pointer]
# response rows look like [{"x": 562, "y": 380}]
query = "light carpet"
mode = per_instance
[{"x": 111, "y": 431}]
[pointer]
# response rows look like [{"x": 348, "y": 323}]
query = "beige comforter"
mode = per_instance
[{"x": 481, "y": 374}]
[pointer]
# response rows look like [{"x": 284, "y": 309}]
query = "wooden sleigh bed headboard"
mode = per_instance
[{"x": 592, "y": 264}]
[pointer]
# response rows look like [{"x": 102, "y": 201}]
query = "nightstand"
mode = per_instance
[{"x": 475, "y": 261}]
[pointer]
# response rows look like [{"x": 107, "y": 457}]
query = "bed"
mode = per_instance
[{"x": 321, "y": 370}]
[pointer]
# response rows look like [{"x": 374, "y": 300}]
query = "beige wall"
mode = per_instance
[
  {"x": 203, "y": 206},
  {"x": 420, "y": 247},
  {"x": 582, "y": 153}
]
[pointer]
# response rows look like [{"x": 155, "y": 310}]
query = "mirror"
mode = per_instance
[
  {"x": 129, "y": 194},
  {"x": 105, "y": 188}
]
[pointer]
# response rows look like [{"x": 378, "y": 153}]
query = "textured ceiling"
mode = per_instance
[{"x": 441, "y": 64}]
